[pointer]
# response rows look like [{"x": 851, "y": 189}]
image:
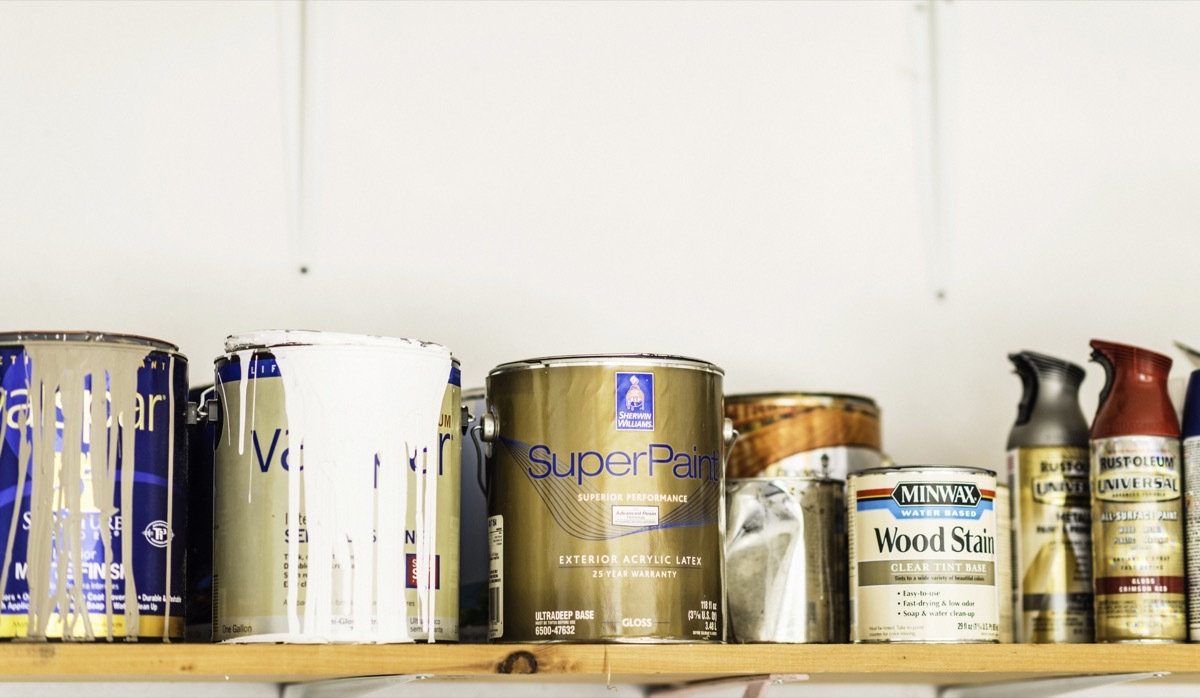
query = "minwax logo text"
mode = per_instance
[{"x": 937, "y": 493}]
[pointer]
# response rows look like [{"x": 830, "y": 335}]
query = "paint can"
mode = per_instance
[
  {"x": 473, "y": 544},
  {"x": 1047, "y": 464},
  {"x": 785, "y": 560},
  {"x": 922, "y": 543},
  {"x": 605, "y": 497},
  {"x": 1137, "y": 503},
  {"x": 1190, "y": 428},
  {"x": 201, "y": 442},
  {"x": 337, "y": 485},
  {"x": 815, "y": 435},
  {"x": 99, "y": 482}
]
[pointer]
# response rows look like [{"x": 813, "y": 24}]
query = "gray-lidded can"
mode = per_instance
[
  {"x": 922, "y": 543},
  {"x": 606, "y": 499},
  {"x": 785, "y": 560},
  {"x": 1047, "y": 465}
]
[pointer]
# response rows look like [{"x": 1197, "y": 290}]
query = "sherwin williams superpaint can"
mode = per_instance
[
  {"x": 922, "y": 543},
  {"x": 1191, "y": 480},
  {"x": 1052, "y": 516},
  {"x": 605, "y": 498},
  {"x": 473, "y": 544},
  {"x": 95, "y": 476},
  {"x": 816, "y": 435},
  {"x": 274, "y": 504},
  {"x": 785, "y": 560},
  {"x": 1137, "y": 507}
]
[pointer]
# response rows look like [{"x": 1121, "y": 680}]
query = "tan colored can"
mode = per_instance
[
  {"x": 252, "y": 524},
  {"x": 811, "y": 435},
  {"x": 605, "y": 495},
  {"x": 923, "y": 555}
]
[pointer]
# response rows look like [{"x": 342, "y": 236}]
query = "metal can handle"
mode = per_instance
[
  {"x": 730, "y": 436},
  {"x": 486, "y": 430}
]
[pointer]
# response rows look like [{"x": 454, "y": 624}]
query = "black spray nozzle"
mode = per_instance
[{"x": 1049, "y": 412}]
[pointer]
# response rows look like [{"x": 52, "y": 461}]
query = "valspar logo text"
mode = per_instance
[{"x": 635, "y": 401}]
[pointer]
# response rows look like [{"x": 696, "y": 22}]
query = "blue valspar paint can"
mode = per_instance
[{"x": 92, "y": 486}]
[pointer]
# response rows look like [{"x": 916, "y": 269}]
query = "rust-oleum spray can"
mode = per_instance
[
  {"x": 1052, "y": 515},
  {"x": 1191, "y": 481},
  {"x": 1137, "y": 510}
]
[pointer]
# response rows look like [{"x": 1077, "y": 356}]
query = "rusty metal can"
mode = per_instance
[
  {"x": 785, "y": 560},
  {"x": 606, "y": 480},
  {"x": 817, "y": 435}
]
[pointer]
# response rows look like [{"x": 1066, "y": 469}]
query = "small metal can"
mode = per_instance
[
  {"x": 816, "y": 435},
  {"x": 923, "y": 560},
  {"x": 785, "y": 560}
]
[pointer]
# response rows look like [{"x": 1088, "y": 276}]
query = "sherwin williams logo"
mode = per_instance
[
  {"x": 937, "y": 493},
  {"x": 635, "y": 401}
]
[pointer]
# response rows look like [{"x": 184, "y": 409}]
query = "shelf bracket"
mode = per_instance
[
  {"x": 756, "y": 685},
  {"x": 1042, "y": 688},
  {"x": 357, "y": 687}
]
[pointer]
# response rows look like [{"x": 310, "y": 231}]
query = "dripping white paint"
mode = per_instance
[
  {"x": 337, "y": 479},
  {"x": 91, "y": 489}
]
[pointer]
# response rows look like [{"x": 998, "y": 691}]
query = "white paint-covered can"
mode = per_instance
[
  {"x": 923, "y": 563},
  {"x": 336, "y": 489}
]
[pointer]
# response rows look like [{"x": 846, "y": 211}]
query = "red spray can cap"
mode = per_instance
[{"x": 1134, "y": 401}]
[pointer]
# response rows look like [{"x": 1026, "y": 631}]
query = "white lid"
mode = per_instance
[{"x": 265, "y": 339}]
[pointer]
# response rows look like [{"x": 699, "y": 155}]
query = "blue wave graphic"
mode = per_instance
[{"x": 592, "y": 520}]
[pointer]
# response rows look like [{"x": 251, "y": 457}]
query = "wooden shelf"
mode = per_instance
[{"x": 658, "y": 664}]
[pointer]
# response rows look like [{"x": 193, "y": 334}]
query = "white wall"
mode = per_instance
[
  {"x": 736, "y": 182},
  {"x": 733, "y": 182}
]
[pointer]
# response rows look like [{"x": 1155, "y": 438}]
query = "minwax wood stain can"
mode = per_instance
[
  {"x": 606, "y": 478},
  {"x": 923, "y": 564}
]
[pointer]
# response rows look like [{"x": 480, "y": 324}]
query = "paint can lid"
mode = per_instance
[
  {"x": 85, "y": 337},
  {"x": 266, "y": 339},
  {"x": 614, "y": 360}
]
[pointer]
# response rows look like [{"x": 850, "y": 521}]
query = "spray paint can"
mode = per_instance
[
  {"x": 1137, "y": 517},
  {"x": 1052, "y": 515},
  {"x": 1191, "y": 480}
]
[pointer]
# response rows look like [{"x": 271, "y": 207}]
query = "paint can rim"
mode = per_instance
[
  {"x": 18, "y": 338},
  {"x": 611, "y": 360},
  {"x": 269, "y": 339}
]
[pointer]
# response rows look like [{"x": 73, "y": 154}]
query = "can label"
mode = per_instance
[
  {"x": 253, "y": 527},
  {"x": 122, "y": 530},
  {"x": 1137, "y": 539},
  {"x": 1053, "y": 544},
  {"x": 923, "y": 556},
  {"x": 1191, "y": 478},
  {"x": 606, "y": 515}
]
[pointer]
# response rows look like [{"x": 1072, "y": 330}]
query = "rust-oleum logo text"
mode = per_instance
[{"x": 923, "y": 494}]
